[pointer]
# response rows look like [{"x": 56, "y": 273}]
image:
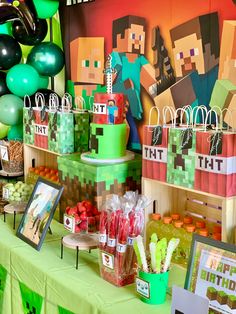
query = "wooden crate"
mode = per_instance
[
  {"x": 213, "y": 209},
  {"x": 38, "y": 157}
]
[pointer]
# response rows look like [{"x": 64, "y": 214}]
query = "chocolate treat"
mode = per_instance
[
  {"x": 231, "y": 302},
  {"x": 222, "y": 297}
]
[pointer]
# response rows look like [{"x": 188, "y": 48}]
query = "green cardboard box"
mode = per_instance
[{"x": 83, "y": 181}]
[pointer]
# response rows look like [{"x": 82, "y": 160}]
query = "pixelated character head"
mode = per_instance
[
  {"x": 111, "y": 103},
  {"x": 196, "y": 45},
  {"x": 128, "y": 34},
  {"x": 227, "y": 69},
  {"x": 87, "y": 60}
]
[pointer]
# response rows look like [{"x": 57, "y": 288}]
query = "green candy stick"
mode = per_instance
[
  {"x": 154, "y": 238},
  {"x": 136, "y": 250}
]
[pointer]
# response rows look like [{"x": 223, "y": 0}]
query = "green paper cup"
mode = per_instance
[{"x": 152, "y": 287}]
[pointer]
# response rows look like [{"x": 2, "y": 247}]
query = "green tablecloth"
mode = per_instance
[{"x": 47, "y": 282}]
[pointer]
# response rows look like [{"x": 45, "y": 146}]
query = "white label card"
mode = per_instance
[
  {"x": 121, "y": 248},
  {"x": 41, "y": 129},
  {"x": 108, "y": 260},
  {"x": 5, "y": 193},
  {"x": 4, "y": 153},
  {"x": 103, "y": 237},
  {"x": 143, "y": 287}
]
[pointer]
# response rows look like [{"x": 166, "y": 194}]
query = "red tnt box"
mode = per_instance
[
  {"x": 108, "y": 108},
  {"x": 216, "y": 173},
  {"x": 154, "y": 156},
  {"x": 41, "y": 129}
]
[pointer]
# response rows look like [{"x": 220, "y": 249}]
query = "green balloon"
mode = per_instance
[
  {"x": 6, "y": 28},
  {"x": 11, "y": 109},
  {"x": 43, "y": 82},
  {"x": 3, "y": 130},
  {"x": 46, "y": 8},
  {"x": 47, "y": 58},
  {"x": 22, "y": 79},
  {"x": 15, "y": 133}
]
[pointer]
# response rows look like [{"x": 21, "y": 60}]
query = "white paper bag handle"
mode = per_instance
[
  {"x": 66, "y": 103},
  {"x": 29, "y": 100},
  {"x": 39, "y": 98},
  {"x": 79, "y": 100},
  {"x": 203, "y": 109},
  {"x": 209, "y": 115},
  {"x": 150, "y": 116},
  {"x": 182, "y": 112},
  {"x": 53, "y": 102},
  {"x": 172, "y": 114}
]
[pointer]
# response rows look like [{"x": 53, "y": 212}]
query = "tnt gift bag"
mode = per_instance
[
  {"x": 61, "y": 127},
  {"x": 28, "y": 121},
  {"x": 154, "y": 149},
  {"x": 216, "y": 160},
  {"x": 40, "y": 112}
]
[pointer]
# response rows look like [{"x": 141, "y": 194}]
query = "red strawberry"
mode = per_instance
[
  {"x": 77, "y": 229},
  {"x": 91, "y": 221},
  {"x": 89, "y": 213},
  {"x": 72, "y": 211},
  {"x": 81, "y": 207},
  {"x": 88, "y": 205},
  {"x": 83, "y": 216},
  {"x": 67, "y": 209},
  {"x": 83, "y": 225},
  {"x": 77, "y": 218},
  {"x": 95, "y": 211}
]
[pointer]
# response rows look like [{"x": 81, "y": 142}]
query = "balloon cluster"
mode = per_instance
[{"x": 23, "y": 24}]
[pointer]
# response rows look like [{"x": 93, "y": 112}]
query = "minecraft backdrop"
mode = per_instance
[{"x": 175, "y": 47}]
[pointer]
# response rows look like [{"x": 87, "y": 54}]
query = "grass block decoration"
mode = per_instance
[
  {"x": 61, "y": 132},
  {"x": 31, "y": 301},
  {"x": 83, "y": 181},
  {"x": 220, "y": 93},
  {"x": 181, "y": 161},
  {"x": 82, "y": 131},
  {"x": 28, "y": 127}
]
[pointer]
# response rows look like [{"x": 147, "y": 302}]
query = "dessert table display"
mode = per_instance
[{"x": 42, "y": 282}]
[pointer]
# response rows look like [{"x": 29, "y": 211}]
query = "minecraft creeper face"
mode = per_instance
[
  {"x": 31, "y": 301},
  {"x": 195, "y": 45},
  {"x": 181, "y": 162},
  {"x": 95, "y": 140}
]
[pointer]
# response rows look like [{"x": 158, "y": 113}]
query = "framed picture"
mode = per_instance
[
  {"x": 39, "y": 212},
  {"x": 212, "y": 273}
]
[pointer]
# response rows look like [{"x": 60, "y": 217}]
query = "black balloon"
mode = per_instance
[
  {"x": 3, "y": 85},
  {"x": 35, "y": 37},
  {"x": 10, "y": 52},
  {"x": 46, "y": 93},
  {"x": 24, "y": 11}
]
